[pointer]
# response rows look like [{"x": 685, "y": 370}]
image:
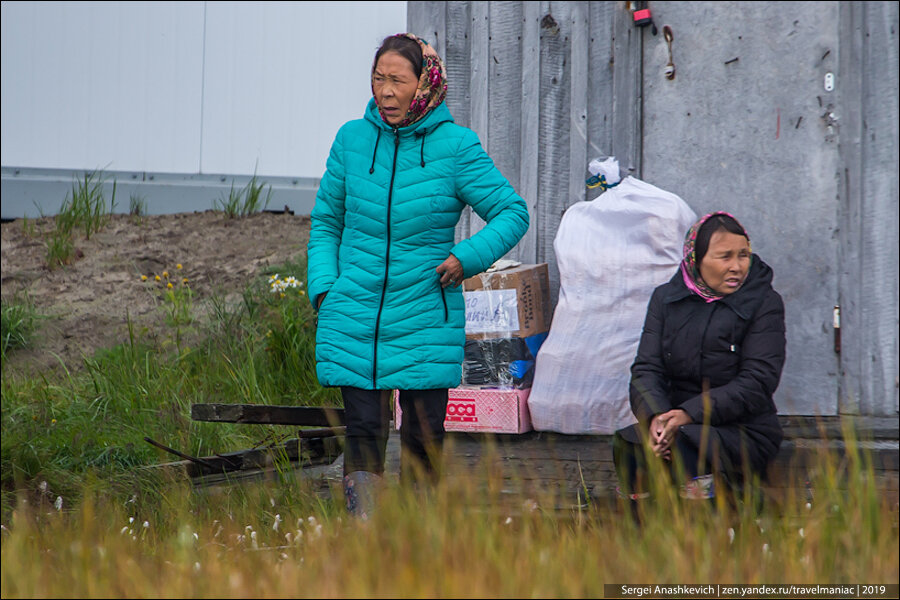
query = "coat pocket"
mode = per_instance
[{"x": 444, "y": 302}]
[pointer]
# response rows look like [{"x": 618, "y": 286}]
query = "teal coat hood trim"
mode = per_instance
[{"x": 384, "y": 219}]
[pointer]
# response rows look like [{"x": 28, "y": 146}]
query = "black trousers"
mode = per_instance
[{"x": 367, "y": 414}]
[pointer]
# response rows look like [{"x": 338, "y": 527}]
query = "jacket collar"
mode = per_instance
[
  {"x": 743, "y": 302},
  {"x": 438, "y": 115}
]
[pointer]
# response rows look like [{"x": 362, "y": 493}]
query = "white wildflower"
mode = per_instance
[
  {"x": 808, "y": 506},
  {"x": 731, "y": 535},
  {"x": 283, "y": 556},
  {"x": 131, "y": 519},
  {"x": 277, "y": 522},
  {"x": 765, "y": 549},
  {"x": 146, "y": 524},
  {"x": 43, "y": 486},
  {"x": 58, "y": 504},
  {"x": 253, "y": 541},
  {"x": 272, "y": 501},
  {"x": 508, "y": 521},
  {"x": 802, "y": 533},
  {"x": 124, "y": 530},
  {"x": 196, "y": 537},
  {"x": 196, "y": 566},
  {"x": 289, "y": 538}
]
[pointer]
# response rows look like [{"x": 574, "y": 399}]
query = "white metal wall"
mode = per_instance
[{"x": 185, "y": 87}]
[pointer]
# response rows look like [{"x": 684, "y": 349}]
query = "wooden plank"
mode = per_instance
[
  {"x": 578, "y": 69},
  {"x": 262, "y": 414},
  {"x": 530, "y": 113},
  {"x": 627, "y": 76},
  {"x": 479, "y": 86},
  {"x": 553, "y": 159},
  {"x": 504, "y": 91},
  {"x": 600, "y": 80},
  {"x": 428, "y": 21},
  {"x": 456, "y": 62},
  {"x": 879, "y": 214}
]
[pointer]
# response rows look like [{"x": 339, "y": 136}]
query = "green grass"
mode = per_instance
[
  {"x": 77, "y": 495},
  {"x": 246, "y": 200},
  {"x": 18, "y": 320},
  {"x": 85, "y": 207},
  {"x": 68, "y": 426}
]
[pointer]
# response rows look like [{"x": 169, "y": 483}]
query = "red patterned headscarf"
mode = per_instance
[
  {"x": 690, "y": 269},
  {"x": 432, "y": 84}
]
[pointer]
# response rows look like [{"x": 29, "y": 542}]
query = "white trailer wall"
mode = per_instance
[{"x": 183, "y": 87}]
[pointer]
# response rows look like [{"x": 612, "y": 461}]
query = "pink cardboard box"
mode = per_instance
[{"x": 484, "y": 410}]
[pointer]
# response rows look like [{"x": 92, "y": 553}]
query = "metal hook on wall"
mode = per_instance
[{"x": 670, "y": 66}]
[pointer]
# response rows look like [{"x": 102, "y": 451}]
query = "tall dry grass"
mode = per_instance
[{"x": 461, "y": 539}]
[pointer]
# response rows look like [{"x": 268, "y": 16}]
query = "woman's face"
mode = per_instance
[
  {"x": 394, "y": 84},
  {"x": 726, "y": 263}
]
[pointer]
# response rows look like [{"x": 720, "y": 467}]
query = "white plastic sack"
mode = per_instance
[{"x": 612, "y": 252}]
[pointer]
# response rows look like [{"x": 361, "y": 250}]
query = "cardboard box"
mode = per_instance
[
  {"x": 482, "y": 410},
  {"x": 509, "y": 303}
]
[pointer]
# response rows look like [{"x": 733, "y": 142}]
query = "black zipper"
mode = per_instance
[
  {"x": 387, "y": 262},
  {"x": 703, "y": 339},
  {"x": 444, "y": 298}
]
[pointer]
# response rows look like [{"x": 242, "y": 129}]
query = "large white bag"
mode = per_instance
[{"x": 612, "y": 252}]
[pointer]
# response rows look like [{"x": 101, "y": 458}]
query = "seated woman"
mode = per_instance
[{"x": 710, "y": 356}]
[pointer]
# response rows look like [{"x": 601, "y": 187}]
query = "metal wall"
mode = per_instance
[
  {"x": 179, "y": 88},
  {"x": 749, "y": 124}
]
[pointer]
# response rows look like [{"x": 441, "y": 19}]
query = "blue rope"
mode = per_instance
[{"x": 599, "y": 181}]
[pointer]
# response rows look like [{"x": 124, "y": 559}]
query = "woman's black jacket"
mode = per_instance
[{"x": 734, "y": 347}]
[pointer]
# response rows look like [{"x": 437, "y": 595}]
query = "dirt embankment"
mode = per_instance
[{"x": 86, "y": 304}]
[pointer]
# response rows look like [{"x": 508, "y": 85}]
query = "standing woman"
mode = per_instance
[
  {"x": 709, "y": 360},
  {"x": 383, "y": 269}
]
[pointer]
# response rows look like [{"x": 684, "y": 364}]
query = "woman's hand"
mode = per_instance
[
  {"x": 451, "y": 271},
  {"x": 663, "y": 428}
]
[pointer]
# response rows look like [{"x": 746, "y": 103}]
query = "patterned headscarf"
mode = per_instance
[
  {"x": 432, "y": 84},
  {"x": 690, "y": 269}
]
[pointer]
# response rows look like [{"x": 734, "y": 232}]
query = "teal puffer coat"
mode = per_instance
[{"x": 384, "y": 219}]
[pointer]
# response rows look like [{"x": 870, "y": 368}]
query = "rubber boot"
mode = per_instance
[{"x": 360, "y": 493}]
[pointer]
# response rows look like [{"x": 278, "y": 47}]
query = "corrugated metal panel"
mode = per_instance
[{"x": 743, "y": 126}]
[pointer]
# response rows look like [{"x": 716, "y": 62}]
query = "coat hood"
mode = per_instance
[
  {"x": 744, "y": 302},
  {"x": 437, "y": 116}
]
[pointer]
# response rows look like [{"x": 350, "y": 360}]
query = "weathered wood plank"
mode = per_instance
[
  {"x": 504, "y": 90},
  {"x": 530, "y": 113},
  {"x": 627, "y": 107},
  {"x": 579, "y": 68},
  {"x": 262, "y": 414}
]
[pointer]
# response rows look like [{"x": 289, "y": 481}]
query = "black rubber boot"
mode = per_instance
[{"x": 360, "y": 493}]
